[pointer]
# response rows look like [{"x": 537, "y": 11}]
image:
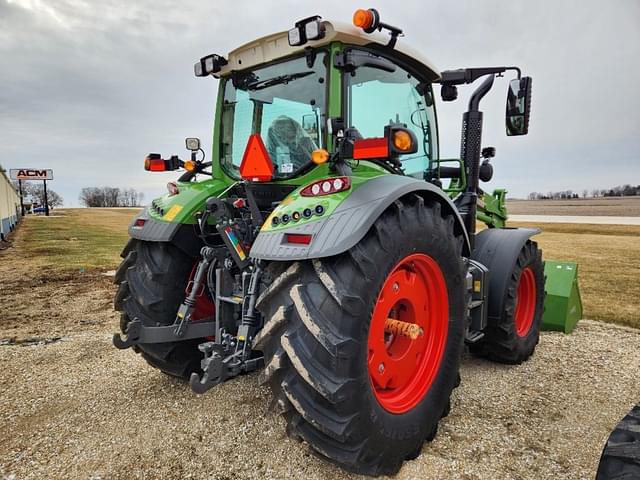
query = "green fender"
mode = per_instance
[
  {"x": 345, "y": 217},
  {"x": 170, "y": 218}
]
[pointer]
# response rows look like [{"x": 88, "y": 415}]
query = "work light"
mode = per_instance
[
  {"x": 310, "y": 28},
  {"x": 209, "y": 64},
  {"x": 314, "y": 30},
  {"x": 192, "y": 144},
  {"x": 295, "y": 37}
]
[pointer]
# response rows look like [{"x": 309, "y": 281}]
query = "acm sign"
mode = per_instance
[{"x": 31, "y": 174}]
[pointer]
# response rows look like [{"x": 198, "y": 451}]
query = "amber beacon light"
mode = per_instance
[{"x": 369, "y": 21}]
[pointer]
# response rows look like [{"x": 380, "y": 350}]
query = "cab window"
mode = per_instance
[
  {"x": 284, "y": 103},
  {"x": 377, "y": 97}
]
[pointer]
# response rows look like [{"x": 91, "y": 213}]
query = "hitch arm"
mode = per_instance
[{"x": 139, "y": 333}]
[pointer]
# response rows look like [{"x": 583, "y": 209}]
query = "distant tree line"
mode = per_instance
[
  {"x": 35, "y": 190},
  {"x": 110, "y": 197},
  {"x": 619, "y": 191}
]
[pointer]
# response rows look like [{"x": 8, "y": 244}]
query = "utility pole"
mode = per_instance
[
  {"x": 21, "y": 199},
  {"x": 46, "y": 199}
]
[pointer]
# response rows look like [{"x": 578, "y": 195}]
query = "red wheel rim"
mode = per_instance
[
  {"x": 401, "y": 370},
  {"x": 525, "y": 302}
]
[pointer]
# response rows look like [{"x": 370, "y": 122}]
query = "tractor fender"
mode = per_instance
[
  {"x": 151, "y": 230},
  {"x": 498, "y": 250},
  {"x": 181, "y": 235},
  {"x": 351, "y": 220}
]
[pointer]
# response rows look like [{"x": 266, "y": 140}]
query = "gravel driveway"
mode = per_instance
[{"x": 78, "y": 408}]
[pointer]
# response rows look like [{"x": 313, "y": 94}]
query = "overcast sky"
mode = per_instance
[{"x": 89, "y": 87}]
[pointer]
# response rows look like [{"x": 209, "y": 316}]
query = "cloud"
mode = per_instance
[{"x": 88, "y": 88}]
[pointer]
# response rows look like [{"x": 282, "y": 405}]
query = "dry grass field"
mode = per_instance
[
  {"x": 77, "y": 243},
  {"x": 608, "y": 258},
  {"x": 605, "y": 206}
]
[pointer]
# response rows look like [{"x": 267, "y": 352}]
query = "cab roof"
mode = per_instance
[{"x": 275, "y": 46}]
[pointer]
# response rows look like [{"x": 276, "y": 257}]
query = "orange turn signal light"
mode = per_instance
[
  {"x": 402, "y": 140},
  {"x": 190, "y": 166},
  {"x": 319, "y": 156},
  {"x": 363, "y": 18}
]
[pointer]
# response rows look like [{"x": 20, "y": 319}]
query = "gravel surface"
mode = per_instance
[{"x": 78, "y": 408}]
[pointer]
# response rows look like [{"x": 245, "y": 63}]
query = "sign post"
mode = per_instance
[
  {"x": 21, "y": 174},
  {"x": 21, "y": 197},
  {"x": 46, "y": 200}
]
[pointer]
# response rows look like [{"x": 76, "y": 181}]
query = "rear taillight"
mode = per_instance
[
  {"x": 326, "y": 187},
  {"x": 152, "y": 164},
  {"x": 155, "y": 163},
  {"x": 367, "y": 148},
  {"x": 297, "y": 238},
  {"x": 139, "y": 222}
]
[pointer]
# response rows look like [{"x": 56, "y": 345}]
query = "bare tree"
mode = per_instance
[
  {"x": 110, "y": 197},
  {"x": 36, "y": 191}
]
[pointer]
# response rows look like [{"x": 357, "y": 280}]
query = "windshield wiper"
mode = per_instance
[{"x": 270, "y": 82}]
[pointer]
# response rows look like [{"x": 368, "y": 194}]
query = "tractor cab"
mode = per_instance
[
  {"x": 328, "y": 98},
  {"x": 287, "y": 88}
]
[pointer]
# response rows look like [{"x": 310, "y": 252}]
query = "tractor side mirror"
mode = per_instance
[{"x": 518, "y": 106}]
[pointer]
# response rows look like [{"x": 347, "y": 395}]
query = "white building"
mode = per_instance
[{"x": 9, "y": 205}]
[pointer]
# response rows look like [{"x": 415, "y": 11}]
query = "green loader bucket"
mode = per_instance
[{"x": 562, "y": 305}]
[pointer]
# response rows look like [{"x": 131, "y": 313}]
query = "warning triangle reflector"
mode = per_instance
[{"x": 256, "y": 164}]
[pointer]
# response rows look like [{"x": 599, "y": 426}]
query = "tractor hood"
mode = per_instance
[{"x": 275, "y": 46}]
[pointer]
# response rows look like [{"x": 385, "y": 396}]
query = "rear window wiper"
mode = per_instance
[{"x": 270, "y": 82}]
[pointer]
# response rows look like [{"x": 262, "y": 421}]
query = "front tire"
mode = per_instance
[
  {"x": 512, "y": 339},
  {"x": 324, "y": 317}
]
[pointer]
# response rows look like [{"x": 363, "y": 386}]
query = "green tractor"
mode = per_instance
[{"x": 327, "y": 243}]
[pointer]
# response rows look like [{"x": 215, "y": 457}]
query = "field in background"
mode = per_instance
[
  {"x": 607, "y": 206},
  {"x": 86, "y": 240},
  {"x": 75, "y": 239},
  {"x": 608, "y": 258}
]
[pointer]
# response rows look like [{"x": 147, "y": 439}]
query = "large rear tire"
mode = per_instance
[
  {"x": 151, "y": 286},
  {"x": 512, "y": 339},
  {"x": 327, "y": 355},
  {"x": 620, "y": 458}
]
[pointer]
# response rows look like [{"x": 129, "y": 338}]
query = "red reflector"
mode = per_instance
[
  {"x": 297, "y": 238},
  {"x": 139, "y": 222},
  {"x": 256, "y": 164},
  {"x": 370, "y": 148}
]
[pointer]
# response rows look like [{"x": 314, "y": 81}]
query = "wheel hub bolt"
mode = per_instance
[
  {"x": 396, "y": 287},
  {"x": 381, "y": 368}
]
